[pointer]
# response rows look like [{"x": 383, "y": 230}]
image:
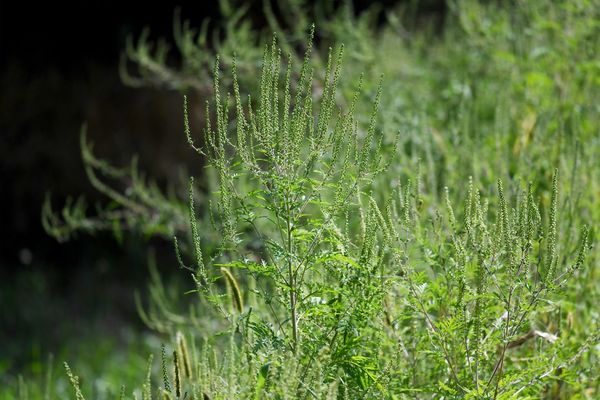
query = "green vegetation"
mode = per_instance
[{"x": 409, "y": 215}]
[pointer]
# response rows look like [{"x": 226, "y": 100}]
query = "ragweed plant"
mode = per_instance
[
  {"x": 136, "y": 203},
  {"x": 291, "y": 171},
  {"x": 480, "y": 288}
]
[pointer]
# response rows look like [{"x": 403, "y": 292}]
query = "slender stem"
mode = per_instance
[
  {"x": 434, "y": 328},
  {"x": 291, "y": 278}
]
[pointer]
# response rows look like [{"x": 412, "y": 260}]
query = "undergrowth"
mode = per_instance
[{"x": 409, "y": 215}]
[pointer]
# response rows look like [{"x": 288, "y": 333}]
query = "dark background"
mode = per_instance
[{"x": 58, "y": 69}]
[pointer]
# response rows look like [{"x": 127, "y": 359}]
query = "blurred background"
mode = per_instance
[{"x": 59, "y": 68}]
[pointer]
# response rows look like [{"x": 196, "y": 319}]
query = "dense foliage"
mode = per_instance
[{"x": 407, "y": 215}]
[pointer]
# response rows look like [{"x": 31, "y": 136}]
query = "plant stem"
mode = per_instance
[{"x": 291, "y": 279}]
